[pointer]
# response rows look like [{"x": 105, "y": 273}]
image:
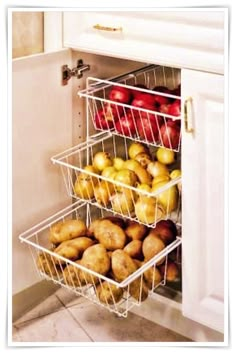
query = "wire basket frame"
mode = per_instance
[
  {"x": 135, "y": 110},
  {"x": 124, "y": 194},
  {"x": 102, "y": 289}
]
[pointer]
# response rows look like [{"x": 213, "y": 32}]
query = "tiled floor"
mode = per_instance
[{"x": 63, "y": 317}]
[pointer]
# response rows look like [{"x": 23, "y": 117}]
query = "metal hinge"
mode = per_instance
[{"x": 67, "y": 73}]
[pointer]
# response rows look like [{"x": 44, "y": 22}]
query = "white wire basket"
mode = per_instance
[
  {"x": 144, "y": 105},
  {"x": 134, "y": 194},
  {"x": 103, "y": 289}
]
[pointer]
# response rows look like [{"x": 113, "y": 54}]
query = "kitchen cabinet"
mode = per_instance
[
  {"x": 202, "y": 154},
  {"x": 203, "y": 199}
]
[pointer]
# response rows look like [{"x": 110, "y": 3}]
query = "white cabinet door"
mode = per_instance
[
  {"x": 203, "y": 200},
  {"x": 41, "y": 126}
]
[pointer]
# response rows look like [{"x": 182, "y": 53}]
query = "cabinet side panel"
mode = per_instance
[
  {"x": 41, "y": 127},
  {"x": 203, "y": 200}
]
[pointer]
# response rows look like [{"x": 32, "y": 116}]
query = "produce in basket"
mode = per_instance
[
  {"x": 96, "y": 258},
  {"x": 136, "y": 231},
  {"x": 153, "y": 277},
  {"x": 123, "y": 201},
  {"x": 46, "y": 263},
  {"x": 77, "y": 277},
  {"x": 73, "y": 249},
  {"x": 166, "y": 230},
  {"x": 108, "y": 234},
  {"x": 134, "y": 249},
  {"x": 172, "y": 272},
  {"x": 84, "y": 186},
  {"x": 102, "y": 160},
  {"x": 102, "y": 192},
  {"x": 122, "y": 265},
  {"x": 120, "y": 94},
  {"x": 143, "y": 158},
  {"x": 135, "y": 148},
  {"x": 142, "y": 174},
  {"x": 109, "y": 293},
  {"x": 67, "y": 230},
  {"x": 168, "y": 199},
  {"x": 152, "y": 245},
  {"x": 170, "y": 134},
  {"x": 138, "y": 289},
  {"x": 148, "y": 210}
]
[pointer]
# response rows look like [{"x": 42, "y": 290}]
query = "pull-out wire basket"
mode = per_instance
[
  {"x": 143, "y": 105},
  {"x": 131, "y": 194},
  {"x": 103, "y": 289}
]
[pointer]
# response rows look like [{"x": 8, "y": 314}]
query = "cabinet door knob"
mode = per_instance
[
  {"x": 107, "y": 28},
  {"x": 188, "y": 115}
]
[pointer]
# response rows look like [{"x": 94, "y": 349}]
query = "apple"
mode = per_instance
[
  {"x": 120, "y": 94},
  {"x": 176, "y": 91},
  {"x": 126, "y": 125},
  {"x": 174, "y": 109},
  {"x": 113, "y": 111},
  {"x": 101, "y": 122},
  {"x": 170, "y": 134},
  {"x": 159, "y": 98},
  {"x": 164, "y": 108},
  {"x": 136, "y": 92},
  {"x": 149, "y": 126},
  {"x": 144, "y": 100}
]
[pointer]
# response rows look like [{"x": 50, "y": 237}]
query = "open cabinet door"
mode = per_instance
[
  {"x": 203, "y": 199},
  {"x": 41, "y": 126}
]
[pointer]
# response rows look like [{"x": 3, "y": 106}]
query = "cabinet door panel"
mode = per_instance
[
  {"x": 41, "y": 126},
  {"x": 203, "y": 200}
]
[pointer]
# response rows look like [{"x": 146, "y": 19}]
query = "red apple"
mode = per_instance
[
  {"x": 164, "y": 108},
  {"x": 120, "y": 94},
  {"x": 137, "y": 92},
  {"x": 176, "y": 91},
  {"x": 149, "y": 126},
  {"x": 113, "y": 111},
  {"x": 126, "y": 125},
  {"x": 170, "y": 134},
  {"x": 144, "y": 100},
  {"x": 101, "y": 122},
  {"x": 174, "y": 108},
  {"x": 159, "y": 98}
]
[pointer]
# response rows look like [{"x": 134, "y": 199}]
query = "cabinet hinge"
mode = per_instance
[{"x": 67, "y": 73}]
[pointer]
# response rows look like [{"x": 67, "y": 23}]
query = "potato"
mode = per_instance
[
  {"x": 109, "y": 293},
  {"x": 138, "y": 289},
  {"x": 134, "y": 249},
  {"x": 152, "y": 245},
  {"x": 73, "y": 249},
  {"x": 122, "y": 265},
  {"x": 67, "y": 230},
  {"x": 97, "y": 259},
  {"x": 152, "y": 277},
  {"x": 46, "y": 263},
  {"x": 136, "y": 231},
  {"x": 172, "y": 272},
  {"x": 110, "y": 235},
  {"x": 76, "y": 277}
]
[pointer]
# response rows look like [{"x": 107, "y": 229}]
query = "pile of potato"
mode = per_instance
[{"x": 114, "y": 248}]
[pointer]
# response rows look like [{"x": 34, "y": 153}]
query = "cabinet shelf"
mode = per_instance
[
  {"x": 84, "y": 281},
  {"x": 143, "y": 105},
  {"x": 129, "y": 200}
]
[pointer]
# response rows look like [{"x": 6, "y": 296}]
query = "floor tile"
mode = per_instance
[
  {"x": 55, "y": 327},
  {"x": 68, "y": 298},
  {"x": 104, "y": 326},
  {"x": 49, "y": 305}
]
